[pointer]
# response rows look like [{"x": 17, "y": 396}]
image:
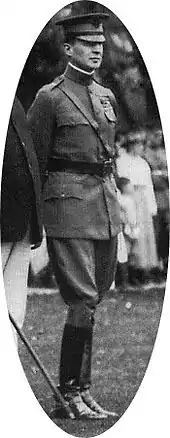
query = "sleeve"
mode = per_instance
[{"x": 40, "y": 123}]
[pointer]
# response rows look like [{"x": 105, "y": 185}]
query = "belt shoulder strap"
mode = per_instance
[{"x": 87, "y": 116}]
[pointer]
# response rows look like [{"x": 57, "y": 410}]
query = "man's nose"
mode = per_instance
[{"x": 97, "y": 48}]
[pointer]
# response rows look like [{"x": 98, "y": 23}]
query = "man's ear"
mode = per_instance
[{"x": 68, "y": 49}]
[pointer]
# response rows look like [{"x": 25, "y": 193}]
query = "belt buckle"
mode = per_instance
[{"x": 107, "y": 167}]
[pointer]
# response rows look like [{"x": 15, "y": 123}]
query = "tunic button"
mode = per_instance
[
  {"x": 62, "y": 195},
  {"x": 23, "y": 144}
]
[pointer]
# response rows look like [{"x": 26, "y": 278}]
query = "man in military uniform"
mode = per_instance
[{"x": 73, "y": 122}]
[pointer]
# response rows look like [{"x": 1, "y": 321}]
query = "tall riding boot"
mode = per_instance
[
  {"x": 85, "y": 375},
  {"x": 72, "y": 349},
  {"x": 75, "y": 364},
  {"x": 85, "y": 379},
  {"x": 76, "y": 344},
  {"x": 72, "y": 353}
]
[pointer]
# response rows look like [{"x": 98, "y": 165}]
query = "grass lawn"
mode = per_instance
[{"x": 123, "y": 341}]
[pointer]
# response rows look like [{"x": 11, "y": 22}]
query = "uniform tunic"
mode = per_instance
[{"x": 75, "y": 205}]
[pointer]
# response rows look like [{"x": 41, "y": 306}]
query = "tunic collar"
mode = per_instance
[{"x": 78, "y": 75}]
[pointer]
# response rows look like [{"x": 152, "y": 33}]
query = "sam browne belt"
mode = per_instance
[{"x": 101, "y": 169}]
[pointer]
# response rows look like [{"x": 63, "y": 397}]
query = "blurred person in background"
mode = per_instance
[
  {"x": 21, "y": 228},
  {"x": 155, "y": 154},
  {"x": 161, "y": 186},
  {"x": 133, "y": 166},
  {"x": 130, "y": 231}
]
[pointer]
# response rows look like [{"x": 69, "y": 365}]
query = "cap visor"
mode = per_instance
[{"x": 91, "y": 38}]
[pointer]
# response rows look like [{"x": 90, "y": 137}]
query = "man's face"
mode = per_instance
[{"x": 86, "y": 55}]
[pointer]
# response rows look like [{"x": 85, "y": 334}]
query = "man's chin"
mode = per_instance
[
  {"x": 88, "y": 68},
  {"x": 95, "y": 65}
]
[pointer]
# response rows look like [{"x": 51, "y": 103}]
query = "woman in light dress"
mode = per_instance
[
  {"x": 129, "y": 233},
  {"x": 131, "y": 165}
]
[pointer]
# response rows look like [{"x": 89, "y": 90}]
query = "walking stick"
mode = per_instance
[{"x": 43, "y": 370}]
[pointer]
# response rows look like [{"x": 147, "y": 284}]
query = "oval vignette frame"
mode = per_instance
[{"x": 165, "y": 302}]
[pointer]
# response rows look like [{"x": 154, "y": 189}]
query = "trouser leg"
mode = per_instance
[
  {"x": 84, "y": 269},
  {"x": 77, "y": 273},
  {"x": 106, "y": 258},
  {"x": 15, "y": 263},
  {"x": 73, "y": 262}
]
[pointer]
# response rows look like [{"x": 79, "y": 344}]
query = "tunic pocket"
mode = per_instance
[
  {"x": 63, "y": 192},
  {"x": 68, "y": 115}
]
